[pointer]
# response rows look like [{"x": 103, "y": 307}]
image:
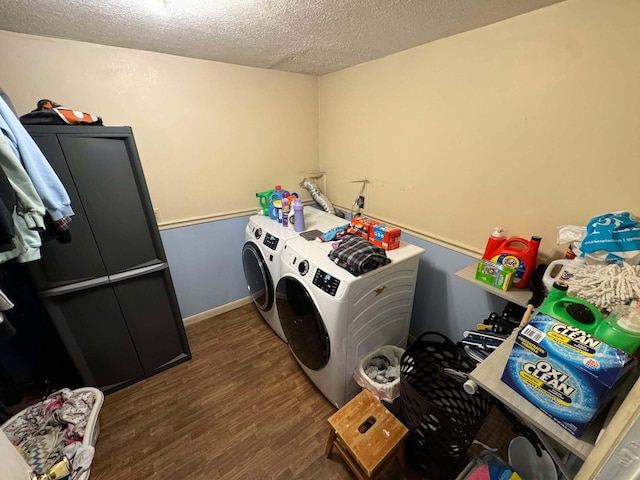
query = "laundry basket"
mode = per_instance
[
  {"x": 441, "y": 417},
  {"x": 92, "y": 429}
]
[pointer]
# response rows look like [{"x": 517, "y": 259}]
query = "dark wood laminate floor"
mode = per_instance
[{"x": 240, "y": 409}]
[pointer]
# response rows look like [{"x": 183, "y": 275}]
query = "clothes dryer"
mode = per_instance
[
  {"x": 333, "y": 319},
  {"x": 264, "y": 242}
]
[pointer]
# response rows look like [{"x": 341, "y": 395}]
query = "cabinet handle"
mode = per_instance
[
  {"x": 118, "y": 277},
  {"x": 75, "y": 287}
]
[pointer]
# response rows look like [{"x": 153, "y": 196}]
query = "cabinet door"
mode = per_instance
[
  {"x": 151, "y": 311},
  {"x": 95, "y": 333},
  {"x": 66, "y": 263},
  {"x": 115, "y": 198}
]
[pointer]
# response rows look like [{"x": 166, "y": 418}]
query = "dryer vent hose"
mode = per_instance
[{"x": 320, "y": 198}]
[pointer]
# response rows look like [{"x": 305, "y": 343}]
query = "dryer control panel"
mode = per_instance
[
  {"x": 326, "y": 282},
  {"x": 271, "y": 241}
]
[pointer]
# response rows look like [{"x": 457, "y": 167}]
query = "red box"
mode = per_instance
[
  {"x": 362, "y": 226},
  {"x": 385, "y": 236}
]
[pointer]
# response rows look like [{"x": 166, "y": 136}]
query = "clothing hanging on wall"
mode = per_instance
[
  {"x": 36, "y": 188},
  {"x": 7, "y": 206},
  {"x": 46, "y": 182},
  {"x": 29, "y": 212}
]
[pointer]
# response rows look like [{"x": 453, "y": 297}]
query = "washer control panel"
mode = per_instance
[
  {"x": 326, "y": 282},
  {"x": 271, "y": 241}
]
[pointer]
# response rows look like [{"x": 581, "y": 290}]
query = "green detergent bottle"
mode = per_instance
[
  {"x": 263, "y": 198},
  {"x": 585, "y": 316}
]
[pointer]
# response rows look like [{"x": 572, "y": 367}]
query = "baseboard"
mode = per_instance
[{"x": 198, "y": 317}]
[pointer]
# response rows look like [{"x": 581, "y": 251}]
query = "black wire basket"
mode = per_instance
[{"x": 441, "y": 417}]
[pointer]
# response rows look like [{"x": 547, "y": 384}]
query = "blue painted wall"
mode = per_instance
[
  {"x": 206, "y": 267},
  {"x": 206, "y": 264},
  {"x": 444, "y": 302}
]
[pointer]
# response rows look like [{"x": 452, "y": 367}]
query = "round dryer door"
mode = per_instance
[
  {"x": 258, "y": 277},
  {"x": 302, "y": 324}
]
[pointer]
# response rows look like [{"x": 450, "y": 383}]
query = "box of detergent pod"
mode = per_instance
[{"x": 565, "y": 372}]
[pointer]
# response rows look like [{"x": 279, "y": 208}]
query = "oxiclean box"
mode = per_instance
[{"x": 565, "y": 372}]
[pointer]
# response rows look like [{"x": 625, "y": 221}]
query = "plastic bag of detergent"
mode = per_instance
[{"x": 611, "y": 238}]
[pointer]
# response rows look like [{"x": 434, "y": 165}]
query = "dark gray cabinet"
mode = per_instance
[{"x": 109, "y": 292}]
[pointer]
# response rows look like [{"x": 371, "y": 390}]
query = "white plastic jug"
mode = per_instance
[{"x": 565, "y": 269}]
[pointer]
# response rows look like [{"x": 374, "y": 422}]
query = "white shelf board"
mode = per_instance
[{"x": 518, "y": 296}]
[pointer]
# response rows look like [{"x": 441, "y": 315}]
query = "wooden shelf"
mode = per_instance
[
  {"x": 518, "y": 296},
  {"x": 488, "y": 376}
]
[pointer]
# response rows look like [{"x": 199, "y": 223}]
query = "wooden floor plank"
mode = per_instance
[{"x": 240, "y": 409}]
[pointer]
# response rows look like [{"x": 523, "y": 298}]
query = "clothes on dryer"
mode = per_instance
[{"x": 358, "y": 255}]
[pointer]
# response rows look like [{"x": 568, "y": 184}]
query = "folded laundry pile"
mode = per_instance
[
  {"x": 357, "y": 255},
  {"x": 46, "y": 431}
]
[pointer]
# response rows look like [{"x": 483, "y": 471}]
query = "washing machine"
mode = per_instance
[
  {"x": 333, "y": 319},
  {"x": 264, "y": 242}
]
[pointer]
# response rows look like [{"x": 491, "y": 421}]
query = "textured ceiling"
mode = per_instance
[{"x": 305, "y": 36}]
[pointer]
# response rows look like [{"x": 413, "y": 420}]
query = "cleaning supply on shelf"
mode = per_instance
[
  {"x": 385, "y": 236},
  {"x": 519, "y": 254},
  {"x": 276, "y": 195},
  {"x": 263, "y": 199},
  {"x": 362, "y": 226},
  {"x": 563, "y": 370},
  {"x": 583, "y": 315},
  {"x": 495, "y": 275},
  {"x": 495, "y": 240},
  {"x": 564, "y": 270},
  {"x": 298, "y": 215},
  {"x": 277, "y": 205},
  {"x": 286, "y": 208}
]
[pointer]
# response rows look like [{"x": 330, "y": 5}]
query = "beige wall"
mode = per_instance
[
  {"x": 209, "y": 134},
  {"x": 529, "y": 123}
]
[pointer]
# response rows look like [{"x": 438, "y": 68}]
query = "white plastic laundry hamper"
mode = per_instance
[{"x": 90, "y": 436}]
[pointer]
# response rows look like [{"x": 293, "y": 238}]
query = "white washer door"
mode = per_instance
[
  {"x": 258, "y": 277},
  {"x": 302, "y": 324}
]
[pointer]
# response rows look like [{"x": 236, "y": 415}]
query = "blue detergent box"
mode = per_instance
[{"x": 565, "y": 372}]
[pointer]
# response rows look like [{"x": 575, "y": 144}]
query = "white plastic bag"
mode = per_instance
[
  {"x": 611, "y": 238},
  {"x": 382, "y": 391}
]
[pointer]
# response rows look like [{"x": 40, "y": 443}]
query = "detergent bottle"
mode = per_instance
[
  {"x": 263, "y": 198},
  {"x": 564, "y": 270},
  {"x": 286, "y": 208},
  {"x": 298, "y": 215},
  {"x": 519, "y": 254},
  {"x": 618, "y": 330},
  {"x": 273, "y": 196},
  {"x": 495, "y": 240}
]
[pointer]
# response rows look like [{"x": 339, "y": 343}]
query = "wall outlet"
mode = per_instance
[
  {"x": 360, "y": 201},
  {"x": 156, "y": 212}
]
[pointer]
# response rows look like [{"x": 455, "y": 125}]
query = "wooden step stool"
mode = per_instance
[{"x": 367, "y": 435}]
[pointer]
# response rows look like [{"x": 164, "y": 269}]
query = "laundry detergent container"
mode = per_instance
[{"x": 441, "y": 417}]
